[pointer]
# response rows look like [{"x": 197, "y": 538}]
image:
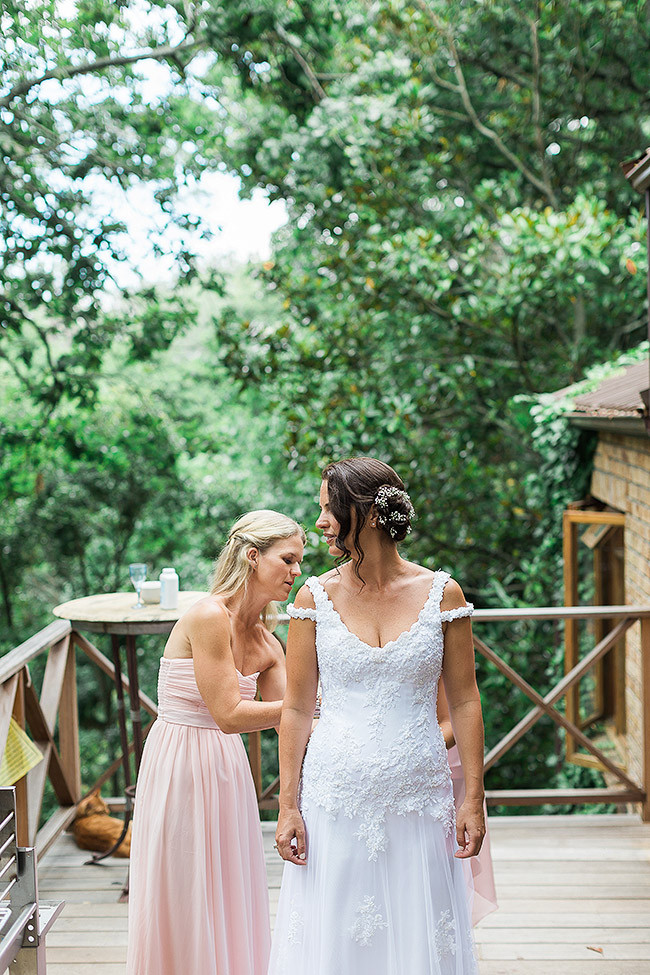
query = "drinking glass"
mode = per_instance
[{"x": 138, "y": 573}]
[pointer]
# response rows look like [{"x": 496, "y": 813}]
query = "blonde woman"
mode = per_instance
[{"x": 198, "y": 903}]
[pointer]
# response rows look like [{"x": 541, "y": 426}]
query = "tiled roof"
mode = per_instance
[{"x": 616, "y": 397}]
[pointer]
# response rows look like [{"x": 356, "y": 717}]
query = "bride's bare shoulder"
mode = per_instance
[
  {"x": 419, "y": 573},
  {"x": 453, "y": 596},
  {"x": 304, "y": 598},
  {"x": 330, "y": 580}
]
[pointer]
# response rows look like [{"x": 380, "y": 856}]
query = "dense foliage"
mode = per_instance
[{"x": 459, "y": 236}]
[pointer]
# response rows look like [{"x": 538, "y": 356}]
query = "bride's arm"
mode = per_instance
[
  {"x": 295, "y": 728},
  {"x": 459, "y": 678}
]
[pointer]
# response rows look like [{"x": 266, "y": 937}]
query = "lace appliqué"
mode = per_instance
[
  {"x": 295, "y": 927},
  {"x": 368, "y": 921},
  {"x": 374, "y": 836},
  {"x": 395, "y": 761},
  {"x": 445, "y": 936}
]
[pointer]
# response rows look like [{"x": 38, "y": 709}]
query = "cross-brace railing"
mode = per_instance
[
  {"x": 51, "y": 719},
  {"x": 627, "y": 790}
]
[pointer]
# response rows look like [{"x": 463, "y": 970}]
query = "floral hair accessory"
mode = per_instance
[{"x": 390, "y": 517}]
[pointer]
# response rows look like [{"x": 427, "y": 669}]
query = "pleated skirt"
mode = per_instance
[{"x": 198, "y": 902}]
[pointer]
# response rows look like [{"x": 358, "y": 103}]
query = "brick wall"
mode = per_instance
[{"x": 621, "y": 478}]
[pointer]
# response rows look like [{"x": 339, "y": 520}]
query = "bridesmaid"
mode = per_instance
[{"x": 198, "y": 902}]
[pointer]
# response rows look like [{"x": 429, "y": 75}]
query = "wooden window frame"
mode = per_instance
[{"x": 573, "y": 519}]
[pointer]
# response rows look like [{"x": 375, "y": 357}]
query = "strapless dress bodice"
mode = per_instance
[{"x": 179, "y": 698}]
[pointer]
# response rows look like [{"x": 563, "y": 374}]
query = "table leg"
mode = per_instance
[
  {"x": 121, "y": 710},
  {"x": 124, "y": 742},
  {"x": 134, "y": 693}
]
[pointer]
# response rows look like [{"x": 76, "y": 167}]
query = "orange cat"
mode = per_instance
[{"x": 94, "y": 829}]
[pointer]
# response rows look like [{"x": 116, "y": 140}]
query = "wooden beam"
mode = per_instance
[
  {"x": 16, "y": 659},
  {"x": 53, "y": 679},
  {"x": 594, "y": 517},
  {"x": 52, "y": 829},
  {"x": 59, "y": 777},
  {"x": 69, "y": 727},
  {"x": 539, "y": 797},
  {"x": 271, "y": 789},
  {"x": 531, "y": 614},
  {"x": 556, "y": 693},
  {"x": 36, "y": 778},
  {"x": 7, "y": 698},
  {"x": 645, "y": 710},
  {"x": 105, "y": 664},
  {"x": 571, "y": 636},
  {"x": 22, "y": 817}
]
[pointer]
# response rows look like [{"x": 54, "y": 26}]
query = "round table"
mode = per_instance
[{"x": 115, "y": 613}]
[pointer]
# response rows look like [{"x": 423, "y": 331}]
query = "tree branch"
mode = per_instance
[
  {"x": 99, "y": 64},
  {"x": 485, "y": 130},
  {"x": 317, "y": 89},
  {"x": 536, "y": 91}
]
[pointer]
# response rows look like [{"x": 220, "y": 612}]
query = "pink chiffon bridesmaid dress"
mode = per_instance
[
  {"x": 479, "y": 873},
  {"x": 198, "y": 902}
]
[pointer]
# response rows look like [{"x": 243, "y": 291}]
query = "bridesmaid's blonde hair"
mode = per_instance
[{"x": 257, "y": 529}]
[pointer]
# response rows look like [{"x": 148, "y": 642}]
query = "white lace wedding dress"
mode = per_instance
[{"x": 382, "y": 893}]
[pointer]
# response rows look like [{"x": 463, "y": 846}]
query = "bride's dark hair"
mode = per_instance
[{"x": 354, "y": 483}]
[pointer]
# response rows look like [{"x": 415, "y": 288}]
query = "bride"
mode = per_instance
[{"x": 373, "y": 883}]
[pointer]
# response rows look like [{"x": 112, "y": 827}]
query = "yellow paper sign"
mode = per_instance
[{"x": 21, "y": 755}]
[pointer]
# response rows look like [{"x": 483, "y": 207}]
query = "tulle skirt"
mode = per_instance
[
  {"x": 198, "y": 902},
  {"x": 405, "y": 913}
]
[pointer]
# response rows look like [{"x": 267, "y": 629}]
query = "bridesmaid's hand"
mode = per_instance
[
  {"x": 470, "y": 828},
  {"x": 290, "y": 837}
]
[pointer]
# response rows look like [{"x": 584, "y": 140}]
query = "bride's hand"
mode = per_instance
[
  {"x": 290, "y": 837},
  {"x": 470, "y": 828}
]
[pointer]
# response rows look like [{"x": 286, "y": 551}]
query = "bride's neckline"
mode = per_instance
[{"x": 414, "y": 625}]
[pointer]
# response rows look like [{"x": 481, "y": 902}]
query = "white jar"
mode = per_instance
[{"x": 168, "y": 589}]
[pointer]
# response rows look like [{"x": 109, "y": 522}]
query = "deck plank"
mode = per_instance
[{"x": 567, "y": 884}]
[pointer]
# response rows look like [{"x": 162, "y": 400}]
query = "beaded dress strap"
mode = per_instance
[
  {"x": 306, "y": 613},
  {"x": 447, "y": 615}
]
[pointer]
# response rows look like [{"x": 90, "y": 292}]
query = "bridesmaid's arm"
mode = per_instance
[
  {"x": 443, "y": 717},
  {"x": 295, "y": 728},
  {"x": 216, "y": 675},
  {"x": 272, "y": 682},
  {"x": 459, "y": 678}
]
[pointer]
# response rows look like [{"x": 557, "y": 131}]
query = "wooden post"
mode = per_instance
[
  {"x": 570, "y": 555},
  {"x": 255, "y": 759},
  {"x": 645, "y": 710},
  {"x": 69, "y": 726},
  {"x": 22, "y": 817}
]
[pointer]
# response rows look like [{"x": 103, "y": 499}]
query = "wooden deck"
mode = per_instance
[{"x": 574, "y": 900}]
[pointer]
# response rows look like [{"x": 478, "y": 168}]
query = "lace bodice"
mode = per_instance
[{"x": 378, "y": 748}]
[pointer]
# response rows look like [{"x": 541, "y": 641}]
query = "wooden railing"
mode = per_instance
[
  {"x": 51, "y": 719},
  {"x": 626, "y": 790}
]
